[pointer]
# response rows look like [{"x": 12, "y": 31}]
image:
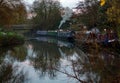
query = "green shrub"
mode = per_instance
[{"x": 10, "y": 38}]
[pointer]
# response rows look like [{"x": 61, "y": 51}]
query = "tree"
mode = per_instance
[
  {"x": 11, "y": 12},
  {"x": 20, "y": 13},
  {"x": 103, "y": 21},
  {"x": 48, "y": 14},
  {"x": 113, "y": 13},
  {"x": 105, "y": 15},
  {"x": 89, "y": 13}
]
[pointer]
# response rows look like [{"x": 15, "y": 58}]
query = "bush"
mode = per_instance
[{"x": 10, "y": 38}]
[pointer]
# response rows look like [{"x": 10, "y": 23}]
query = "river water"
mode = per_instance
[{"x": 50, "y": 60}]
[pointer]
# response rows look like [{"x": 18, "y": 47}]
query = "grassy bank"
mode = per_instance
[{"x": 10, "y": 38}]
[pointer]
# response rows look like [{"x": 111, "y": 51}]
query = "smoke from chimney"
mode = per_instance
[{"x": 66, "y": 16}]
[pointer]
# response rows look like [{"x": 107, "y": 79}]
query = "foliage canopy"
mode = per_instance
[
  {"x": 48, "y": 14},
  {"x": 12, "y": 12}
]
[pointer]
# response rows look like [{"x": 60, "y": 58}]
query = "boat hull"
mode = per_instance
[{"x": 60, "y": 34}]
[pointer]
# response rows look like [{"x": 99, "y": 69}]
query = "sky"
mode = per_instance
[
  {"x": 69, "y": 3},
  {"x": 64, "y": 3}
]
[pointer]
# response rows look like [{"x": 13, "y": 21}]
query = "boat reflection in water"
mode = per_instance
[
  {"x": 46, "y": 60},
  {"x": 59, "y": 42}
]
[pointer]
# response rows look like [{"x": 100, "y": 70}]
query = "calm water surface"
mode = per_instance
[{"x": 48, "y": 60}]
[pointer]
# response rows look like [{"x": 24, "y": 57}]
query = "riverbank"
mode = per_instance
[
  {"x": 10, "y": 38},
  {"x": 96, "y": 47}
]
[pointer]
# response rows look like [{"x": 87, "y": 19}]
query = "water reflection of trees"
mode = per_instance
[
  {"x": 48, "y": 57},
  {"x": 93, "y": 66},
  {"x": 2, "y": 53},
  {"x": 67, "y": 51},
  {"x": 7, "y": 74},
  {"x": 18, "y": 52},
  {"x": 99, "y": 66},
  {"x": 105, "y": 63},
  {"x": 7, "y": 57}
]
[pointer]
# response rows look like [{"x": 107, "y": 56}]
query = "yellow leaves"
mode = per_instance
[
  {"x": 113, "y": 12},
  {"x": 102, "y": 2}
]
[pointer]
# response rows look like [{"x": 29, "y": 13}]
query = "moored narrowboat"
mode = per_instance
[{"x": 59, "y": 34}]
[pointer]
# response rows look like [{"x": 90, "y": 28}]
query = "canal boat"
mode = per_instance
[{"x": 60, "y": 34}]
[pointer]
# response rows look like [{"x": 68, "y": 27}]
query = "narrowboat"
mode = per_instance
[{"x": 60, "y": 34}]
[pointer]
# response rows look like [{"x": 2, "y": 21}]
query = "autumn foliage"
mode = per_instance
[{"x": 12, "y": 12}]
